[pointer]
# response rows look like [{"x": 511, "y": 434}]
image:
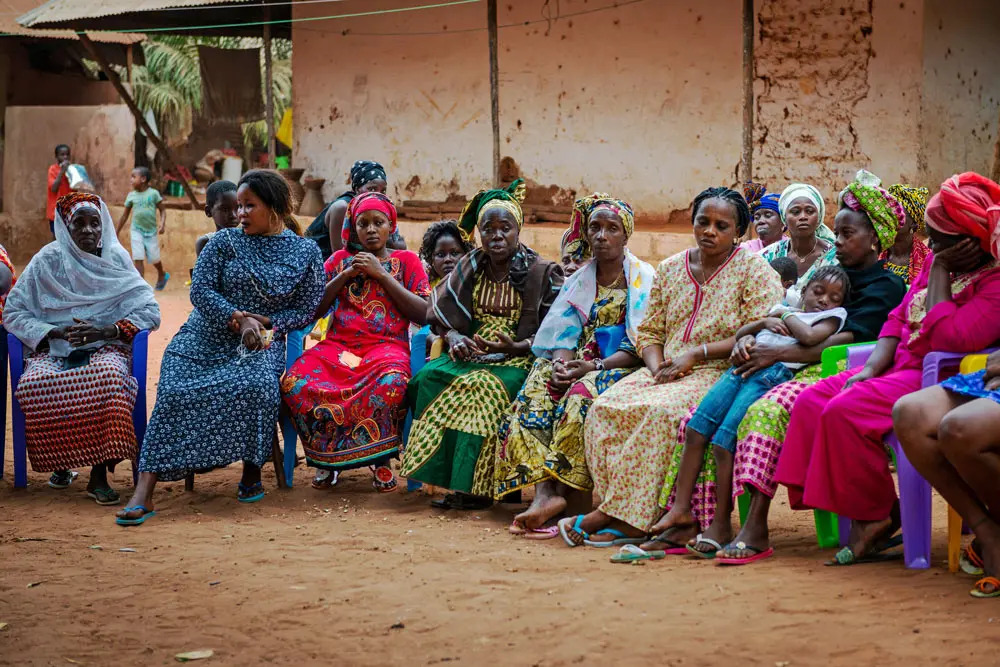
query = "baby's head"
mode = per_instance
[
  {"x": 221, "y": 205},
  {"x": 787, "y": 269},
  {"x": 828, "y": 288}
]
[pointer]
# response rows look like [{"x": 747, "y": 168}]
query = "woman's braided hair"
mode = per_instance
[{"x": 743, "y": 216}]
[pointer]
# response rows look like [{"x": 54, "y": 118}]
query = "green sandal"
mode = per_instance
[{"x": 104, "y": 495}]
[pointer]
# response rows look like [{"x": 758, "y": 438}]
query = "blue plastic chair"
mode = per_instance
[
  {"x": 140, "y": 353},
  {"x": 295, "y": 345},
  {"x": 418, "y": 358},
  {"x": 3, "y": 397}
]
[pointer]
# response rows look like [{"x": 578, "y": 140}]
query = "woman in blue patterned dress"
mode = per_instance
[{"x": 218, "y": 397}]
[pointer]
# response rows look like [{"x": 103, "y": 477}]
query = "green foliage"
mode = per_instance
[{"x": 169, "y": 84}]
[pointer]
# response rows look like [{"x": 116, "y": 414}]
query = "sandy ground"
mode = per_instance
[{"x": 356, "y": 578}]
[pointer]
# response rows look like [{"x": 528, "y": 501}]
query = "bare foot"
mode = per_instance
[
  {"x": 867, "y": 535},
  {"x": 671, "y": 538},
  {"x": 541, "y": 511},
  {"x": 753, "y": 536},
  {"x": 674, "y": 518}
]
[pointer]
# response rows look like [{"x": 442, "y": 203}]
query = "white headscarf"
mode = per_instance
[
  {"x": 62, "y": 282},
  {"x": 797, "y": 190}
]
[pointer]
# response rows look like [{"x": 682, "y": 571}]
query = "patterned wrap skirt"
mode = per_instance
[{"x": 78, "y": 417}]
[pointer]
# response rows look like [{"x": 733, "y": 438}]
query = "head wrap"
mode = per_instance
[
  {"x": 914, "y": 201},
  {"x": 575, "y": 240},
  {"x": 884, "y": 211},
  {"x": 62, "y": 282},
  {"x": 368, "y": 201},
  {"x": 968, "y": 204},
  {"x": 508, "y": 199},
  {"x": 757, "y": 198},
  {"x": 365, "y": 171},
  {"x": 797, "y": 190},
  {"x": 69, "y": 204}
]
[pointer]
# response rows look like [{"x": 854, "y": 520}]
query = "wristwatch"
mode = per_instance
[{"x": 598, "y": 364}]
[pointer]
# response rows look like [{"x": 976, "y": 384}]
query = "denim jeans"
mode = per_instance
[{"x": 719, "y": 414}]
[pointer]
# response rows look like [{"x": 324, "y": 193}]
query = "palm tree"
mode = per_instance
[{"x": 169, "y": 84}]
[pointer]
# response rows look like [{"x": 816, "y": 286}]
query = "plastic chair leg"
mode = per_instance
[
  {"x": 15, "y": 352},
  {"x": 140, "y": 366},
  {"x": 827, "y": 530},
  {"x": 743, "y": 502},
  {"x": 290, "y": 440},
  {"x": 954, "y": 539},
  {"x": 915, "y": 508},
  {"x": 3, "y": 399}
]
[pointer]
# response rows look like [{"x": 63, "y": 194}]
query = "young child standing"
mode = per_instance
[
  {"x": 142, "y": 204},
  {"x": 58, "y": 184},
  {"x": 720, "y": 412},
  {"x": 220, "y": 206}
]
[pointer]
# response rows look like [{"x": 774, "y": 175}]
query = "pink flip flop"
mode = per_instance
[
  {"x": 516, "y": 528},
  {"x": 742, "y": 546},
  {"x": 541, "y": 533}
]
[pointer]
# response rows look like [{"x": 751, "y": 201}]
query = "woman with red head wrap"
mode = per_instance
[
  {"x": 950, "y": 432},
  {"x": 833, "y": 458},
  {"x": 347, "y": 394}
]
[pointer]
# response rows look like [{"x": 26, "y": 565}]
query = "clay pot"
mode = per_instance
[
  {"x": 292, "y": 175},
  {"x": 312, "y": 202}
]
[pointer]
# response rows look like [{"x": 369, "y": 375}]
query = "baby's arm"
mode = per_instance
[{"x": 811, "y": 334}]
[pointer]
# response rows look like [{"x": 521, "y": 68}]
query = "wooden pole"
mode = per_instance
[
  {"x": 746, "y": 162},
  {"x": 137, "y": 113},
  {"x": 995, "y": 167},
  {"x": 269, "y": 92},
  {"x": 491, "y": 21},
  {"x": 129, "y": 61}
]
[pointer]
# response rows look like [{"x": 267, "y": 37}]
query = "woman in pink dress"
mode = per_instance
[{"x": 833, "y": 458}]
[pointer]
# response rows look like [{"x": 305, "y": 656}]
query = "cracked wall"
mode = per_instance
[{"x": 837, "y": 88}]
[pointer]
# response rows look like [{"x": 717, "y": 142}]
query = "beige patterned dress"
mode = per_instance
[{"x": 631, "y": 429}]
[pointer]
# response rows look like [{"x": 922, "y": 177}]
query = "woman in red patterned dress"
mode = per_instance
[
  {"x": 78, "y": 305},
  {"x": 347, "y": 395}
]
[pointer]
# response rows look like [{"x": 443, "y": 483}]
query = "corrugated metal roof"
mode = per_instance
[
  {"x": 10, "y": 10},
  {"x": 58, "y": 11},
  {"x": 186, "y": 17}
]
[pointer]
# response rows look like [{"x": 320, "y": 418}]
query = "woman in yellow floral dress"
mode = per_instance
[
  {"x": 488, "y": 310},
  {"x": 585, "y": 344},
  {"x": 700, "y": 297}
]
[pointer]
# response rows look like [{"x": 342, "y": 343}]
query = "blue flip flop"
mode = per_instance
[
  {"x": 138, "y": 520},
  {"x": 620, "y": 539},
  {"x": 564, "y": 527},
  {"x": 244, "y": 492}
]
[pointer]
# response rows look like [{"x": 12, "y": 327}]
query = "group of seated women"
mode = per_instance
[{"x": 665, "y": 391}]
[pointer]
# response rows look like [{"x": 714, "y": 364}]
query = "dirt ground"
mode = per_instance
[{"x": 351, "y": 577}]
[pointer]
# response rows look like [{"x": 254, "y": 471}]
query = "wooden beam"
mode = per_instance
[
  {"x": 746, "y": 161},
  {"x": 137, "y": 113},
  {"x": 491, "y": 21},
  {"x": 995, "y": 167},
  {"x": 269, "y": 92},
  {"x": 129, "y": 62}
]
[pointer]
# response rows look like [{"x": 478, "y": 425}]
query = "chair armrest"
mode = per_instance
[
  {"x": 857, "y": 355},
  {"x": 15, "y": 353},
  {"x": 939, "y": 366}
]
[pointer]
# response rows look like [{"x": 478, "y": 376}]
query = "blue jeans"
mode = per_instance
[{"x": 719, "y": 414}]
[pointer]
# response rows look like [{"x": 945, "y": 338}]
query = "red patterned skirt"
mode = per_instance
[{"x": 79, "y": 417}]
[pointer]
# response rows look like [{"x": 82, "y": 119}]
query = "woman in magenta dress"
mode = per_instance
[
  {"x": 347, "y": 394},
  {"x": 833, "y": 457}
]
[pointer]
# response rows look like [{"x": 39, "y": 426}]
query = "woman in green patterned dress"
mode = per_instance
[
  {"x": 542, "y": 444},
  {"x": 488, "y": 311}
]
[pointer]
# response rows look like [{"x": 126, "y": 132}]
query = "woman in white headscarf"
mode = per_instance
[
  {"x": 77, "y": 306},
  {"x": 809, "y": 242}
]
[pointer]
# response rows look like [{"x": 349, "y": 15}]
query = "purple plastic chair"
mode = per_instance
[
  {"x": 140, "y": 350},
  {"x": 914, "y": 490}
]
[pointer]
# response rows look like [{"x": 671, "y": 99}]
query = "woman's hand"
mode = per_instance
[
  {"x": 681, "y": 366},
  {"x": 866, "y": 373},
  {"x": 992, "y": 377},
  {"x": 83, "y": 333},
  {"x": 761, "y": 356},
  {"x": 565, "y": 373},
  {"x": 251, "y": 331},
  {"x": 741, "y": 351},
  {"x": 505, "y": 345},
  {"x": 461, "y": 348},
  {"x": 368, "y": 264},
  {"x": 776, "y": 325},
  {"x": 962, "y": 257}
]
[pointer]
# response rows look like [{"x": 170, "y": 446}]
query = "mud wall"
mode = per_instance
[
  {"x": 102, "y": 139},
  {"x": 961, "y": 68},
  {"x": 838, "y": 88},
  {"x": 641, "y": 100}
]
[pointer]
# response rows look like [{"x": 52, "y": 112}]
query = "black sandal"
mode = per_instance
[
  {"x": 462, "y": 501},
  {"x": 61, "y": 479},
  {"x": 104, "y": 495}
]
